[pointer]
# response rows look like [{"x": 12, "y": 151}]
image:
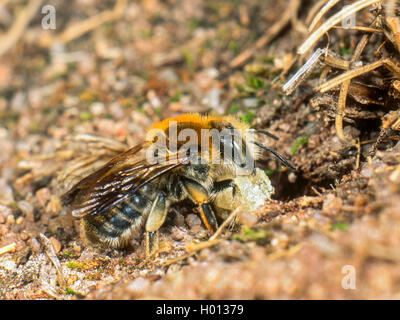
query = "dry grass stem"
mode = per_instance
[
  {"x": 8, "y": 248},
  {"x": 314, "y": 10},
  {"x": 335, "y": 62},
  {"x": 321, "y": 13},
  {"x": 336, "y": 18},
  {"x": 50, "y": 252},
  {"x": 359, "y": 28},
  {"x": 340, "y": 113},
  {"x": 303, "y": 72},
  {"x": 355, "y": 73},
  {"x": 231, "y": 218},
  {"x": 20, "y": 23},
  {"x": 269, "y": 35},
  {"x": 80, "y": 28}
]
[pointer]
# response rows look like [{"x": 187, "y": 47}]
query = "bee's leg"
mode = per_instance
[
  {"x": 200, "y": 195},
  {"x": 208, "y": 217},
  {"x": 151, "y": 243},
  {"x": 223, "y": 185},
  {"x": 155, "y": 220}
]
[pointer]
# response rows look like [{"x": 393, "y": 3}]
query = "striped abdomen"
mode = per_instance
[{"x": 118, "y": 225}]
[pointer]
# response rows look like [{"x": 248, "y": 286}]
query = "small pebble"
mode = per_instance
[
  {"x": 43, "y": 195},
  {"x": 35, "y": 245},
  {"x": 97, "y": 108},
  {"x": 248, "y": 219},
  {"x": 361, "y": 200},
  {"x": 177, "y": 234},
  {"x": 27, "y": 209},
  {"x": 6, "y": 192},
  {"x": 19, "y": 220},
  {"x": 10, "y": 219},
  {"x": 201, "y": 234},
  {"x": 193, "y": 220},
  {"x": 292, "y": 177},
  {"x": 5, "y": 211},
  {"x": 24, "y": 235},
  {"x": 54, "y": 206}
]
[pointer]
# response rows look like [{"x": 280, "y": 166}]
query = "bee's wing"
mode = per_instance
[
  {"x": 116, "y": 180},
  {"x": 83, "y": 154}
]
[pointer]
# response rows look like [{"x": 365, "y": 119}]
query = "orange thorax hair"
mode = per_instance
[{"x": 197, "y": 123}]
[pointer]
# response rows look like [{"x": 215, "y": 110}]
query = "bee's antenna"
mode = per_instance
[
  {"x": 268, "y": 134},
  {"x": 276, "y": 154}
]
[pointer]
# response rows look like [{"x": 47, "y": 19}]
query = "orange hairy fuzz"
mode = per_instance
[
  {"x": 173, "y": 130},
  {"x": 195, "y": 120}
]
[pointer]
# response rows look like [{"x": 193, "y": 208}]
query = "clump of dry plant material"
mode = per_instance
[{"x": 359, "y": 61}]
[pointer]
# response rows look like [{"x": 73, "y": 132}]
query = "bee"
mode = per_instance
[{"x": 178, "y": 161}]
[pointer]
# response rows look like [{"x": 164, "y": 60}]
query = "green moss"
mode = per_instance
[
  {"x": 234, "y": 108},
  {"x": 339, "y": 226},
  {"x": 345, "y": 47},
  {"x": 346, "y": 51},
  {"x": 252, "y": 234},
  {"x": 146, "y": 33},
  {"x": 248, "y": 118},
  {"x": 85, "y": 116},
  {"x": 299, "y": 142},
  {"x": 82, "y": 265},
  {"x": 253, "y": 81},
  {"x": 158, "y": 111},
  {"x": 189, "y": 59},
  {"x": 70, "y": 292},
  {"x": 121, "y": 262},
  {"x": 234, "y": 46},
  {"x": 13, "y": 205},
  {"x": 69, "y": 254},
  {"x": 75, "y": 265},
  {"x": 176, "y": 97},
  {"x": 269, "y": 60},
  {"x": 271, "y": 172}
]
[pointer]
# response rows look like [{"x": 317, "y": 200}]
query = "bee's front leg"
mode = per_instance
[
  {"x": 199, "y": 195},
  {"x": 208, "y": 216}
]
